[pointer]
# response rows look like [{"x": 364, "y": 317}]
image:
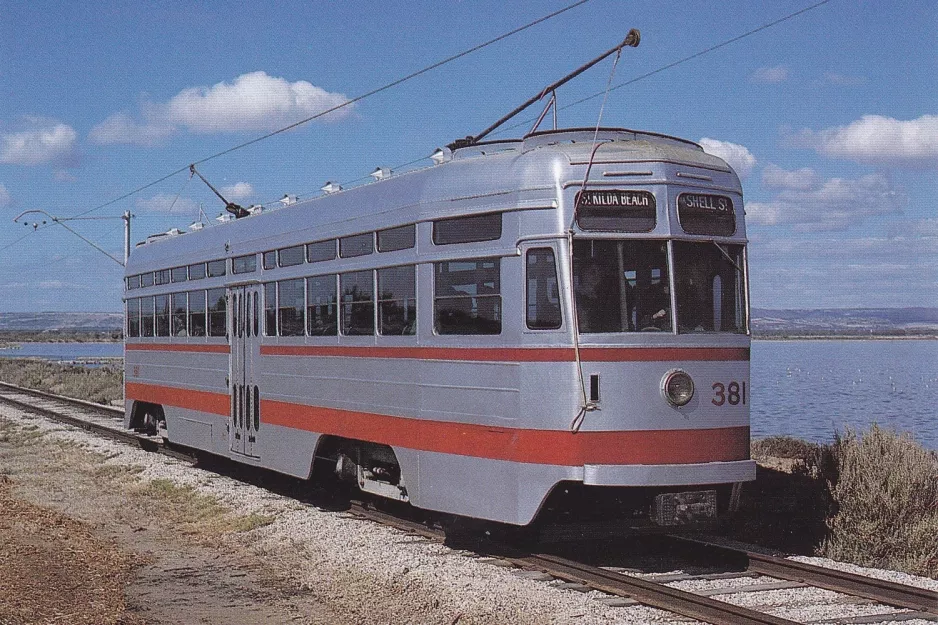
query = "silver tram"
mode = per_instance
[{"x": 523, "y": 319}]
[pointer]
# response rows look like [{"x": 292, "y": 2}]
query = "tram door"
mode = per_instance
[{"x": 245, "y": 309}]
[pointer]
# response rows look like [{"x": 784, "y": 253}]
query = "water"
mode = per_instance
[
  {"x": 806, "y": 389},
  {"x": 65, "y": 351},
  {"x": 812, "y": 389}
]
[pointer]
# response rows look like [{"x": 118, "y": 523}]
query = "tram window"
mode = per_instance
[
  {"x": 180, "y": 274},
  {"x": 179, "y": 327},
  {"x": 703, "y": 213},
  {"x": 255, "y": 316},
  {"x": 161, "y": 276},
  {"x": 358, "y": 304},
  {"x": 321, "y": 306},
  {"x": 197, "y": 271},
  {"x": 289, "y": 256},
  {"x": 216, "y": 268},
  {"x": 467, "y": 297},
  {"x": 394, "y": 239},
  {"x": 467, "y": 229},
  {"x": 257, "y": 409},
  {"x": 133, "y": 282},
  {"x": 621, "y": 286},
  {"x": 710, "y": 287},
  {"x": 320, "y": 251},
  {"x": 146, "y": 316},
  {"x": 615, "y": 210},
  {"x": 397, "y": 301},
  {"x": 133, "y": 317},
  {"x": 543, "y": 296},
  {"x": 290, "y": 306},
  {"x": 217, "y": 312},
  {"x": 357, "y": 245},
  {"x": 270, "y": 260},
  {"x": 146, "y": 279},
  {"x": 270, "y": 309},
  {"x": 162, "y": 315},
  {"x": 196, "y": 313},
  {"x": 244, "y": 264}
]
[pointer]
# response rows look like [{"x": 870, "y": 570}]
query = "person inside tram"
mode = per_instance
[{"x": 597, "y": 299}]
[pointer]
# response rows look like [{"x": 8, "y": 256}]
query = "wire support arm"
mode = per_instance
[{"x": 631, "y": 40}]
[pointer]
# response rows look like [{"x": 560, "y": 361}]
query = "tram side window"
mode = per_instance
[
  {"x": 320, "y": 251},
  {"x": 467, "y": 229},
  {"x": 133, "y": 282},
  {"x": 321, "y": 306},
  {"x": 289, "y": 256},
  {"x": 621, "y": 286},
  {"x": 467, "y": 297},
  {"x": 197, "y": 271},
  {"x": 162, "y": 315},
  {"x": 197, "y": 313},
  {"x": 270, "y": 309},
  {"x": 543, "y": 295},
  {"x": 358, "y": 304},
  {"x": 397, "y": 301},
  {"x": 244, "y": 264},
  {"x": 393, "y": 239},
  {"x": 179, "y": 327},
  {"x": 146, "y": 316},
  {"x": 146, "y": 279},
  {"x": 291, "y": 304},
  {"x": 270, "y": 260},
  {"x": 180, "y": 274},
  {"x": 161, "y": 276},
  {"x": 133, "y": 317},
  {"x": 216, "y": 268},
  {"x": 217, "y": 312},
  {"x": 357, "y": 245}
]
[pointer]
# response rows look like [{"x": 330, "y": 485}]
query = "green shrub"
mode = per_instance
[
  {"x": 885, "y": 489},
  {"x": 102, "y": 385}
]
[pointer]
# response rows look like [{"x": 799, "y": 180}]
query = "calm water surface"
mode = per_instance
[
  {"x": 811, "y": 389},
  {"x": 807, "y": 389}
]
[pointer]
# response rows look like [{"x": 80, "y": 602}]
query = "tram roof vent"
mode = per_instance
[
  {"x": 255, "y": 209},
  {"x": 441, "y": 155},
  {"x": 196, "y": 225},
  {"x": 287, "y": 199},
  {"x": 172, "y": 232},
  {"x": 331, "y": 187},
  {"x": 381, "y": 173},
  {"x": 224, "y": 217}
]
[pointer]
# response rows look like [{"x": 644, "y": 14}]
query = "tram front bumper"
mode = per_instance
[{"x": 669, "y": 474}]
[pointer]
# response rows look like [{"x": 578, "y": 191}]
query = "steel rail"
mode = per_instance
[
  {"x": 646, "y": 592},
  {"x": 883, "y": 591}
]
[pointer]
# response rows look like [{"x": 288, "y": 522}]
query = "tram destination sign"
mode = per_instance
[
  {"x": 705, "y": 213},
  {"x": 620, "y": 210}
]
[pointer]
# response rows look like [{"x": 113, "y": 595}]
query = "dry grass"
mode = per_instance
[
  {"x": 196, "y": 514},
  {"x": 102, "y": 385},
  {"x": 870, "y": 498}
]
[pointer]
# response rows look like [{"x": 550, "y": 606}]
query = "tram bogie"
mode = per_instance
[{"x": 474, "y": 337}]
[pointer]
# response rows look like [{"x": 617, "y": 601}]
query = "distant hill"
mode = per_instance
[
  {"x": 765, "y": 322},
  {"x": 61, "y": 322},
  {"x": 845, "y": 322}
]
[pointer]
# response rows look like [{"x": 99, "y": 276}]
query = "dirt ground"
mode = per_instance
[{"x": 83, "y": 542}]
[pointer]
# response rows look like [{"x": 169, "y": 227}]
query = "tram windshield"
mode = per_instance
[{"x": 624, "y": 286}]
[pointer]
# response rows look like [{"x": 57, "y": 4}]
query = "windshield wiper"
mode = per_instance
[{"x": 728, "y": 257}]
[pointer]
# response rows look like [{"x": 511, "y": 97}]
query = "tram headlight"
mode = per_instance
[{"x": 677, "y": 387}]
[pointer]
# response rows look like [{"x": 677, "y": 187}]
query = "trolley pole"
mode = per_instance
[{"x": 126, "y": 217}]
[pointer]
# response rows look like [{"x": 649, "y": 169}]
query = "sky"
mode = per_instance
[{"x": 830, "y": 119}]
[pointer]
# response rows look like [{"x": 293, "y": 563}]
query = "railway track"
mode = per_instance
[{"x": 762, "y": 572}]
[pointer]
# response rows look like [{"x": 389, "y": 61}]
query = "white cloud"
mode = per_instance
[
  {"x": 879, "y": 140},
  {"x": 810, "y": 203},
  {"x": 843, "y": 80},
  {"x": 738, "y": 156},
  {"x": 41, "y": 141},
  {"x": 53, "y": 284},
  {"x": 773, "y": 75},
  {"x": 167, "y": 203},
  {"x": 251, "y": 102},
  {"x": 5, "y": 197},
  {"x": 237, "y": 191}
]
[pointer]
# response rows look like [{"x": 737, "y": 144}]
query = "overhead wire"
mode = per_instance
[
  {"x": 335, "y": 108},
  {"x": 678, "y": 62}
]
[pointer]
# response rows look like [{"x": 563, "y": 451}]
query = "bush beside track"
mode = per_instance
[{"x": 869, "y": 498}]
